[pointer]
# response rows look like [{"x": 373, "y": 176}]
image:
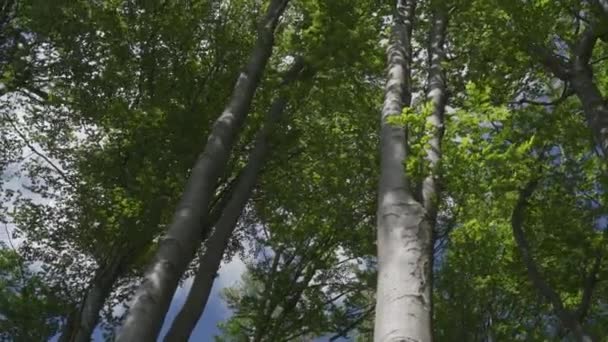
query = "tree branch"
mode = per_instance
[
  {"x": 25, "y": 140},
  {"x": 584, "y": 47},
  {"x": 549, "y": 60},
  {"x": 566, "y": 317},
  {"x": 590, "y": 282},
  {"x": 354, "y": 324}
]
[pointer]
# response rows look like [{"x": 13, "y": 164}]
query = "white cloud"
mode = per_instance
[{"x": 230, "y": 273}]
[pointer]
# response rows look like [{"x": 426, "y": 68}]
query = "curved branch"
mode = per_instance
[{"x": 566, "y": 317}]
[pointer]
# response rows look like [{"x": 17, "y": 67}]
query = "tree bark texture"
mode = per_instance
[
  {"x": 403, "y": 296},
  {"x": 437, "y": 95}
]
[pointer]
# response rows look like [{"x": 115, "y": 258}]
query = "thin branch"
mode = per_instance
[
  {"x": 598, "y": 60},
  {"x": 555, "y": 64},
  {"x": 566, "y": 93},
  {"x": 354, "y": 324},
  {"x": 21, "y": 266},
  {"x": 38, "y": 153},
  {"x": 8, "y": 236},
  {"x": 590, "y": 282}
]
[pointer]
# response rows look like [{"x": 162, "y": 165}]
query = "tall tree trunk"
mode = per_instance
[
  {"x": 176, "y": 250},
  {"x": 567, "y": 318},
  {"x": 437, "y": 95},
  {"x": 187, "y": 318},
  {"x": 81, "y": 324},
  {"x": 403, "y": 297}
]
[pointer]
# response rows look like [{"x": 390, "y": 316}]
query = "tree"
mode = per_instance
[
  {"x": 405, "y": 218},
  {"x": 179, "y": 245},
  {"x": 111, "y": 218},
  {"x": 491, "y": 260},
  {"x": 217, "y": 243}
]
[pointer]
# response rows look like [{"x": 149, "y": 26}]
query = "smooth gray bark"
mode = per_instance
[
  {"x": 437, "y": 95},
  {"x": 567, "y": 318},
  {"x": 403, "y": 296},
  {"x": 80, "y": 326},
  {"x": 187, "y": 318},
  {"x": 151, "y": 302}
]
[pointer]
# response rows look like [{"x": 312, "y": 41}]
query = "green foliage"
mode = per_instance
[
  {"x": 111, "y": 103},
  {"x": 29, "y": 310}
]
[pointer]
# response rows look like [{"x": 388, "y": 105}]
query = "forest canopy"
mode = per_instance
[{"x": 403, "y": 170}]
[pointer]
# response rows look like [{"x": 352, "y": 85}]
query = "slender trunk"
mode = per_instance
[
  {"x": 566, "y": 317},
  {"x": 176, "y": 250},
  {"x": 403, "y": 310},
  {"x": 437, "y": 95},
  {"x": 187, "y": 318},
  {"x": 80, "y": 325}
]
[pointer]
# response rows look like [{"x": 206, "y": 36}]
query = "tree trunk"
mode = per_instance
[
  {"x": 437, "y": 95},
  {"x": 186, "y": 320},
  {"x": 176, "y": 250},
  {"x": 80, "y": 325},
  {"x": 403, "y": 311}
]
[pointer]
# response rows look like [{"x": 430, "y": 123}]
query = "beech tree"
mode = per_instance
[
  {"x": 179, "y": 245},
  {"x": 217, "y": 243}
]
